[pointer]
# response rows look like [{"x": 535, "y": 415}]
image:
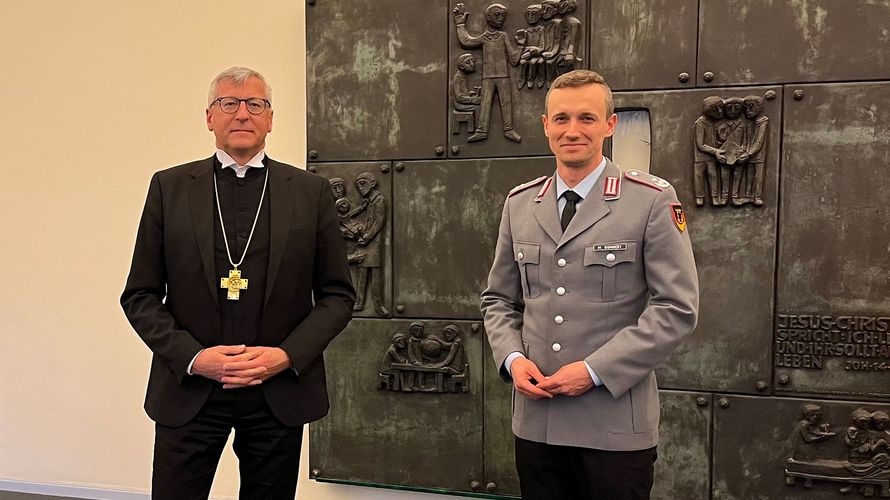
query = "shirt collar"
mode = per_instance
[
  {"x": 582, "y": 188},
  {"x": 228, "y": 162}
]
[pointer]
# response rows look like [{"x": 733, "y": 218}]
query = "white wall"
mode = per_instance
[{"x": 97, "y": 95}]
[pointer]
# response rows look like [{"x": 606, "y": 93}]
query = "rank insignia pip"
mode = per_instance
[
  {"x": 678, "y": 216},
  {"x": 612, "y": 188}
]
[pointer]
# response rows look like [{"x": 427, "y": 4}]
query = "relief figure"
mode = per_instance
[
  {"x": 705, "y": 151},
  {"x": 758, "y": 126},
  {"x": 497, "y": 53},
  {"x": 466, "y": 98}
]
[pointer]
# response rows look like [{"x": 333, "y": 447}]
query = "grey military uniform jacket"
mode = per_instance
[{"x": 619, "y": 290}]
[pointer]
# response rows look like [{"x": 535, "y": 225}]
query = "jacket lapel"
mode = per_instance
[
  {"x": 592, "y": 209},
  {"x": 201, "y": 206},
  {"x": 281, "y": 208},
  {"x": 547, "y": 213}
]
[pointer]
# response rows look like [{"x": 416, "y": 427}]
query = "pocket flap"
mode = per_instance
[
  {"x": 610, "y": 254},
  {"x": 526, "y": 253}
]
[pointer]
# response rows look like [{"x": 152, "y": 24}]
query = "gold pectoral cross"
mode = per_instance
[{"x": 234, "y": 284}]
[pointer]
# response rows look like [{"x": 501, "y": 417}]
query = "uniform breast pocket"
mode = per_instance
[
  {"x": 604, "y": 264},
  {"x": 528, "y": 258}
]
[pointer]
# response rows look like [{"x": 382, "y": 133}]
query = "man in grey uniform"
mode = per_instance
[{"x": 593, "y": 285}]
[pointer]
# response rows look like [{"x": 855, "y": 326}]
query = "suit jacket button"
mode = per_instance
[
  {"x": 558, "y": 320},
  {"x": 560, "y": 291},
  {"x": 610, "y": 257},
  {"x": 561, "y": 263},
  {"x": 556, "y": 347}
]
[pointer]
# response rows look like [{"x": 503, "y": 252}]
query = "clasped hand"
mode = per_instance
[
  {"x": 572, "y": 379},
  {"x": 237, "y": 366}
]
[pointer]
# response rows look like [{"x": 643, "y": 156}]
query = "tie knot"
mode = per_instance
[{"x": 571, "y": 196}]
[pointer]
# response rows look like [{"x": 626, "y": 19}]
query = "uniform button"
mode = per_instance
[
  {"x": 560, "y": 291},
  {"x": 610, "y": 257},
  {"x": 558, "y": 320},
  {"x": 242, "y": 209},
  {"x": 561, "y": 263},
  {"x": 241, "y": 182},
  {"x": 520, "y": 255},
  {"x": 243, "y": 234},
  {"x": 556, "y": 347}
]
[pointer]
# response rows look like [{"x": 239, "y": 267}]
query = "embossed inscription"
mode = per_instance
[{"x": 805, "y": 341}]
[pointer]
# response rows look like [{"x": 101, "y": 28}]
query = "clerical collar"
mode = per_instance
[
  {"x": 582, "y": 188},
  {"x": 227, "y": 162}
]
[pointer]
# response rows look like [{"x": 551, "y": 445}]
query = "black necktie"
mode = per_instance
[{"x": 572, "y": 198}]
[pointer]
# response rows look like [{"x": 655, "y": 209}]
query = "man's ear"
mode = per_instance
[{"x": 207, "y": 116}]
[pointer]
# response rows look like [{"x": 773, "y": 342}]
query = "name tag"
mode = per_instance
[{"x": 610, "y": 247}]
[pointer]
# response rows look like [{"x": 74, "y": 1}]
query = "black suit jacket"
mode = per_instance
[{"x": 171, "y": 292}]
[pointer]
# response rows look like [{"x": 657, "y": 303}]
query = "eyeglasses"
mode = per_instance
[{"x": 230, "y": 105}]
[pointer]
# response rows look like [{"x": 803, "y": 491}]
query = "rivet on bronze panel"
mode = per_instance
[
  {"x": 475, "y": 485},
  {"x": 400, "y": 308},
  {"x": 439, "y": 150},
  {"x": 724, "y": 403},
  {"x": 708, "y": 76},
  {"x": 701, "y": 401},
  {"x": 683, "y": 77},
  {"x": 313, "y": 154},
  {"x": 475, "y": 327},
  {"x": 455, "y": 150},
  {"x": 491, "y": 487},
  {"x": 384, "y": 168},
  {"x": 316, "y": 472},
  {"x": 784, "y": 380},
  {"x": 769, "y": 95},
  {"x": 312, "y": 169},
  {"x": 798, "y": 94},
  {"x": 400, "y": 166},
  {"x": 761, "y": 386}
]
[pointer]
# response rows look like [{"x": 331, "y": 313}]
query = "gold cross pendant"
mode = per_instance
[{"x": 234, "y": 284}]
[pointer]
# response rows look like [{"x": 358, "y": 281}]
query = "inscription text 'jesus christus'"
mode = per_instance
[{"x": 806, "y": 340}]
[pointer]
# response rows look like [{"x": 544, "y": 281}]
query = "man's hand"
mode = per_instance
[
  {"x": 572, "y": 379},
  {"x": 209, "y": 363},
  {"x": 524, "y": 372},
  {"x": 259, "y": 364}
]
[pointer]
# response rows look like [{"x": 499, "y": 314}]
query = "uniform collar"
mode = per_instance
[{"x": 582, "y": 188}]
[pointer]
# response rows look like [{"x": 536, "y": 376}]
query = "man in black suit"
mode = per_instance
[{"x": 239, "y": 281}]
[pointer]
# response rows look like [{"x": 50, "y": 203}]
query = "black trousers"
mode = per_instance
[
  {"x": 186, "y": 457},
  {"x": 550, "y": 472}
]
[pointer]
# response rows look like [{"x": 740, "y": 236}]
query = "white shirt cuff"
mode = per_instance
[
  {"x": 596, "y": 380},
  {"x": 508, "y": 363},
  {"x": 189, "y": 369}
]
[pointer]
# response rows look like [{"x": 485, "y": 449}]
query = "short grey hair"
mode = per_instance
[
  {"x": 579, "y": 78},
  {"x": 238, "y": 75}
]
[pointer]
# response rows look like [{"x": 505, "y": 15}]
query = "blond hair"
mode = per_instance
[{"x": 579, "y": 78}]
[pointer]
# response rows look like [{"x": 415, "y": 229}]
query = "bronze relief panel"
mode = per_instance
[
  {"x": 378, "y": 433},
  {"x": 754, "y": 41},
  {"x": 734, "y": 244},
  {"x": 362, "y": 194},
  {"x": 647, "y": 44},
  {"x": 832, "y": 328},
  {"x": 377, "y": 79},
  {"x": 503, "y": 57}
]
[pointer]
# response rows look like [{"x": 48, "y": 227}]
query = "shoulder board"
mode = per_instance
[
  {"x": 650, "y": 180},
  {"x": 523, "y": 187}
]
